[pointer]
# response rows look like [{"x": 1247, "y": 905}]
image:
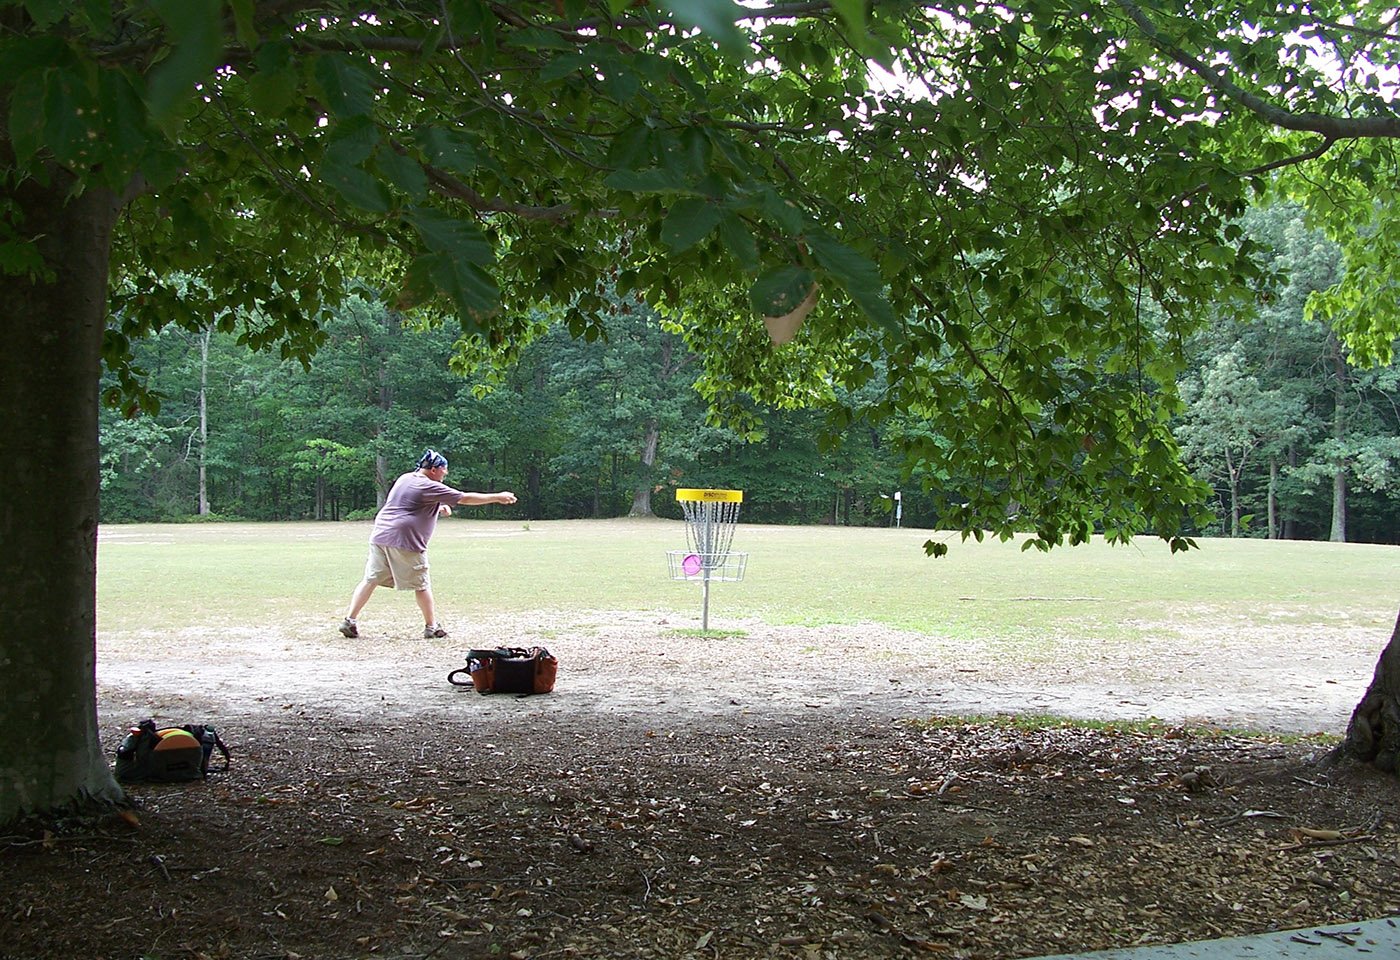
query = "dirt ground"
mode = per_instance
[{"x": 778, "y": 792}]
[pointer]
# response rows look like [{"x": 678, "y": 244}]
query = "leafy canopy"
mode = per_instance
[{"x": 1008, "y": 241}]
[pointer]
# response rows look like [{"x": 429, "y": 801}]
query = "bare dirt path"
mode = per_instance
[
  {"x": 628, "y": 663},
  {"x": 755, "y": 796}
]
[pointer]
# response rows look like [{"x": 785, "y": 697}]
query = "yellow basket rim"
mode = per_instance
[{"x": 710, "y": 496}]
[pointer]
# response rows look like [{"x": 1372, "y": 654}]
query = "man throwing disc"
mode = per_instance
[{"x": 398, "y": 546}]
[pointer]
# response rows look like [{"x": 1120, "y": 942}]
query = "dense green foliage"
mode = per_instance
[
  {"x": 1298, "y": 441},
  {"x": 1266, "y": 422},
  {"x": 1006, "y": 245},
  {"x": 565, "y": 427}
]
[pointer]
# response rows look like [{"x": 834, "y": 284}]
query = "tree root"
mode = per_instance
[{"x": 1373, "y": 735}]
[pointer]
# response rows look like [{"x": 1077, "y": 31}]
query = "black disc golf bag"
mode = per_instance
[
  {"x": 519, "y": 670},
  {"x": 167, "y": 754}
]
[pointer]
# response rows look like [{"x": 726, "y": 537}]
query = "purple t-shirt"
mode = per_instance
[{"x": 410, "y": 512}]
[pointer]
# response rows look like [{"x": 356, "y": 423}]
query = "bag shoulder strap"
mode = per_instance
[
  {"x": 223, "y": 749},
  {"x": 201, "y": 733},
  {"x": 496, "y": 653}
]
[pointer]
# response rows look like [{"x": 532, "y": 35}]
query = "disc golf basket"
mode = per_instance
[{"x": 710, "y": 518}]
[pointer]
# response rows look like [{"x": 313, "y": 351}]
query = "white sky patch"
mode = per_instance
[
  {"x": 1323, "y": 57},
  {"x": 884, "y": 81}
]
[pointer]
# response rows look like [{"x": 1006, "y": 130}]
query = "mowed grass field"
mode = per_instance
[{"x": 159, "y": 577}]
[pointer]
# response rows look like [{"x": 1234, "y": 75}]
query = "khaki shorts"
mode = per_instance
[{"x": 392, "y": 567}]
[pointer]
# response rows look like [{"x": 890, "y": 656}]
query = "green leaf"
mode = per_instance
[
  {"x": 857, "y": 274},
  {"x": 716, "y": 18},
  {"x": 458, "y": 239},
  {"x": 274, "y": 85},
  {"x": 690, "y": 221},
  {"x": 46, "y": 13},
  {"x": 126, "y": 133},
  {"x": 779, "y": 291},
  {"x": 27, "y": 126},
  {"x": 852, "y": 13},
  {"x": 19, "y": 55},
  {"x": 99, "y": 15},
  {"x": 194, "y": 30},
  {"x": 434, "y": 40},
  {"x": 786, "y": 214},
  {"x": 622, "y": 85},
  {"x": 654, "y": 180},
  {"x": 68, "y": 117},
  {"x": 403, "y": 172},
  {"x": 356, "y": 185},
  {"x": 562, "y": 66},
  {"x": 737, "y": 239},
  {"x": 243, "y": 24},
  {"x": 695, "y": 151},
  {"x": 471, "y": 289},
  {"x": 448, "y": 149},
  {"x": 161, "y": 167},
  {"x": 346, "y": 87},
  {"x": 351, "y": 143},
  {"x": 631, "y": 148},
  {"x": 272, "y": 94}
]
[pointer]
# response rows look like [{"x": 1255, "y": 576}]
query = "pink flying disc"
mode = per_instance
[{"x": 690, "y": 565}]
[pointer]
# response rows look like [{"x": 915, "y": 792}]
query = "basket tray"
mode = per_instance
[{"x": 699, "y": 567}]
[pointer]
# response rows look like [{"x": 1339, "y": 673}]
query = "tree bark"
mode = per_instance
[
  {"x": 1273, "y": 499},
  {"x": 1339, "y": 506},
  {"x": 204, "y": 419},
  {"x": 385, "y": 402},
  {"x": 1373, "y": 735},
  {"x": 50, "y": 753},
  {"x": 534, "y": 474},
  {"x": 381, "y": 480},
  {"x": 1234, "y": 475},
  {"x": 641, "y": 496},
  {"x": 1339, "y": 411},
  {"x": 1290, "y": 517},
  {"x": 533, "y": 488}
]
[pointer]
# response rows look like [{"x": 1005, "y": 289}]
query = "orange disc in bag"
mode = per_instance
[{"x": 173, "y": 738}]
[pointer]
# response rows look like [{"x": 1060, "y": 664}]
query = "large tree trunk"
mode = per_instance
[
  {"x": 50, "y": 754},
  {"x": 1373, "y": 736},
  {"x": 381, "y": 480},
  {"x": 641, "y": 496},
  {"x": 1339, "y": 505},
  {"x": 533, "y": 488},
  {"x": 1234, "y": 475},
  {"x": 1339, "y": 431},
  {"x": 534, "y": 473},
  {"x": 1290, "y": 518},
  {"x": 204, "y": 419},
  {"x": 1273, "y": 499},
  {"x": 385, "y": 401}
]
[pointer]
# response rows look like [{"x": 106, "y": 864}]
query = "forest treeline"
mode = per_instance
[{"x": 1295, "y": 441}]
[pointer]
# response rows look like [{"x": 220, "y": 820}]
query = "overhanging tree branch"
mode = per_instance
[
  {"x": 1332, "y": 128},
  {"x": 1296, "y": 159},
  {"x": 1322, "y": 147},
  {"x": 449, "y": 186}
]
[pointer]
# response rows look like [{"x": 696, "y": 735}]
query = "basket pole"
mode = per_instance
[
  {"x": 707, "y": 546},
  {"x": 705, "y": 602}
]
